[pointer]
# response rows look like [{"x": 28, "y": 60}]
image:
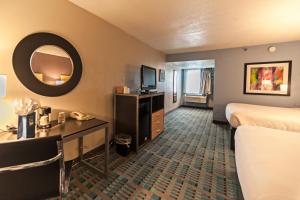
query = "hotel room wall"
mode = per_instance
[
  {"x": 229, "y": 74},
  {"x": 110, "y": 58}
]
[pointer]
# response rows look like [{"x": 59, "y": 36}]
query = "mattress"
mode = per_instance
[
  {"x": 268, "y": 163},
  {"x": 266, "y": 116}
]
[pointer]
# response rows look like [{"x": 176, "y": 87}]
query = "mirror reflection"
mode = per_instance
[{"x": 51, "y": 65}]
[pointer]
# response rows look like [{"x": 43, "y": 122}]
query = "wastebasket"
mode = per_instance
[{"x": 123, "y": 143}]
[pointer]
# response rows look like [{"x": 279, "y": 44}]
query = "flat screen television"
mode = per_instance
[{"x": 148, "y": 78}]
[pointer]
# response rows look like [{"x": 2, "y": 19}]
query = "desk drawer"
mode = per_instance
[
  {"x": 157, "y": 123},
  {"x": 159, "y": 113}
]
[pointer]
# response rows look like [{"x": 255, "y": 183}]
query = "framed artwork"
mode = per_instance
[
  {"x": 268, "y": 78},
  {"x": 161, "y": 75}
]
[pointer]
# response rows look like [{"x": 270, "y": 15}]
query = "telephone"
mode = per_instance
[{"x": 81, "y": 116}]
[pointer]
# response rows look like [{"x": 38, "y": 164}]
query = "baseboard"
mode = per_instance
[
  {"x": 220, "y": 122},
  {"x": 191, "y": 106}
]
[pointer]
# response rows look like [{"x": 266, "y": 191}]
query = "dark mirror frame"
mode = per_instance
[{"x": 22, "y": 63}]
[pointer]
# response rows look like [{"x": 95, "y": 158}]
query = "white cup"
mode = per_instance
[
  {"x": 61, "y": 119},
  {"x": 44, "y": 120}
]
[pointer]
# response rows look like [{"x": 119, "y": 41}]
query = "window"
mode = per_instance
[{"x": 192, "y": 81}]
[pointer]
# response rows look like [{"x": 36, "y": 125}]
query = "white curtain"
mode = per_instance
[{"x": 205, "y": 82}]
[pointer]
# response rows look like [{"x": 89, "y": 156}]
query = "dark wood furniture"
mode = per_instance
[
  {"x": 33, "y": 169},
  {"x": 232, "y": 141},
  {"x": 139, "y": 115},
  {"x": 71, "y": 130}
]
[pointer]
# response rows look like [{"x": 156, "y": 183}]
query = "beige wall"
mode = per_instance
[
  {"x": 169, "y": 105},
  {"x": 110, "y": 57}
]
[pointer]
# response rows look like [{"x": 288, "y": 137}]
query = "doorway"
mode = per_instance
[{"x": 197, "y": 83}]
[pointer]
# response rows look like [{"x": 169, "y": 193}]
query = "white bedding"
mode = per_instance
[
  {"x": 268, "y": 163},
  {"x": 266, "y": 116}
]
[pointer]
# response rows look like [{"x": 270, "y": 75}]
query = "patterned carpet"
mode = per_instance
[{"x": 190, "y": 160}]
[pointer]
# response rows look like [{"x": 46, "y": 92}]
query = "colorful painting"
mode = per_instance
[{"x": 271, "y": 78}]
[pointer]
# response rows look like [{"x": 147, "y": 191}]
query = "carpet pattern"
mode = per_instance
[{"x": 190, "y": 160}]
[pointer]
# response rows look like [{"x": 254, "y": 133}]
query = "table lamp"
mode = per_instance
[{"x": 3, "y": 85}]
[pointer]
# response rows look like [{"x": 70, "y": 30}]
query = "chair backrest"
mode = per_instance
[{"x": 39, "y": 182}]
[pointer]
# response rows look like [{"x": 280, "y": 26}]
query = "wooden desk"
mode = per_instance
[{"x": 71, "y": 130}]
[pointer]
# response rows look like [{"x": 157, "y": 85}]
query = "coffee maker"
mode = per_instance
[{"x": 44, "y": 117}]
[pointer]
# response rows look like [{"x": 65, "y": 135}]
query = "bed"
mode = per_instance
[
  {"x": 268, "y": 163},
  {"x": 265, "y": 116}
]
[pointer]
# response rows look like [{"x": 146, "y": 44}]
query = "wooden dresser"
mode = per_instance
[{"x": 139, "y": 115}]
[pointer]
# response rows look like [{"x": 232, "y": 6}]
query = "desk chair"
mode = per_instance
[{"x": 32, "y": 169}]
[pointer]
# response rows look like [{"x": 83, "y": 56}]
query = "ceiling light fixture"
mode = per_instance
[{"x": 272, "y": 49}]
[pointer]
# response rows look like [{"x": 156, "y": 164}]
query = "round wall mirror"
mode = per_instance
[
  {"x": 51, "y": 65},
  {"x": 47, "y": 64}
]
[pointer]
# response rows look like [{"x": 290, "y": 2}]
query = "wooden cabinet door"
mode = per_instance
[{"x": 157, "y": 123}]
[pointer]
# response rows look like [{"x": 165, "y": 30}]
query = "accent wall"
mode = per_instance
[{"x": 229, "y": 74}]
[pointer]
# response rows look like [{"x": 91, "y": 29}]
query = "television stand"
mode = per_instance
[
  {"x": 139, "y": 115},
  {"x": 148, "y": 91}
]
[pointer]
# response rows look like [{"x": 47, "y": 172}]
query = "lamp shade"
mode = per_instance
[{"x": 3, "y": 85}]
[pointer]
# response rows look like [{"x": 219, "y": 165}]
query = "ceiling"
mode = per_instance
[{"x": 176, "y": 26}]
